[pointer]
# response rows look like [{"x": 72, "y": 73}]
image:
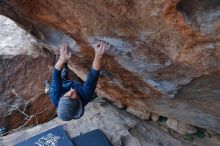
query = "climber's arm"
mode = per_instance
[
  {"x": 55, "y": 91},
  {"x": 89, "y": 86},
  {"x": 93, "y": 75}
]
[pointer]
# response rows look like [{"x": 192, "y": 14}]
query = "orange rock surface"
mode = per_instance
[{"x": 165, "y": 55}]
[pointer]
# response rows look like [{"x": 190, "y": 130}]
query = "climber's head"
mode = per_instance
[
  {"x": 70, "y": 106},
  {"x": 71, "y": 94}
]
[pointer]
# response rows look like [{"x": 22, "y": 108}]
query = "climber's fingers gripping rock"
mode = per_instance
[
  {"x": 101, "y": 48},
  {"x": 65, "y": 53}
]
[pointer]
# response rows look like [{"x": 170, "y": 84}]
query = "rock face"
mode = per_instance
[
  {"x": 165, "y": 54},
  {"x": 23, "y": 69},
  {"x": 14, "y": 40},
  {"x": 22, "y": 91},
  {"x": 122, "y": 128}
]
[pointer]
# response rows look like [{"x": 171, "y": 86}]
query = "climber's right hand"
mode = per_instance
[{"x": 101, "y": 48}]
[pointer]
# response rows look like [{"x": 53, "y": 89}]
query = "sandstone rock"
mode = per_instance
[
  {"x": 185, "y": 128},
  {"x": 155, "y": 117},
  {"x": 22, "y": 88},
  {"x": 172, "y": 123},
  {"x": 180, "y": 127},
  {"x": 14, "y": 40},
  {"x": 213, "y": 141},
  {"x": 141, "y": 114},
  {"x": 119, "y": 105},
  {"x": 162, "y": 48},
  {"x": 23, "y": 69},
  {"x": 211, "y": 132},
  {"x": 216, "y": 140}
]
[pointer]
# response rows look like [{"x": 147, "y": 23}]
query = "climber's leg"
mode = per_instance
[{"x": 64, "y": 72}]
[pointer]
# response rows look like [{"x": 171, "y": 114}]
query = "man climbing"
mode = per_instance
[{"x": 70, "y": 97}]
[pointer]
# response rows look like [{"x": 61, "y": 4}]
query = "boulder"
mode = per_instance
[
  {"x": 211, "y": 133},
  {"x": 165, "y": 54},
  {"x": 154, "y": 117},
  {"x": 141, "y": 114},
  {"x": 180, "y": 127}
]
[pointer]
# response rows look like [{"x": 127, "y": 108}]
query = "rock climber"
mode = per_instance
[{"x": 70, "y": 97}]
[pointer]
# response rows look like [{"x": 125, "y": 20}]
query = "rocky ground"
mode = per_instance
[{"x": 122, "y": 128}]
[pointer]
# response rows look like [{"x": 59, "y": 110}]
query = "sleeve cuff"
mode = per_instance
[
  {"x": 56, "y": 71},
  {"x": 95, "y": 72}
]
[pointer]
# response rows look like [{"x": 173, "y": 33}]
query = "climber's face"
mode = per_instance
[{"x": 71, "y": 94}]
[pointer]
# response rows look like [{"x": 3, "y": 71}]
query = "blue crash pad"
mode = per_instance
[
  {"x": 58, "y": 137},
  {"x": 92, "y": 138},
  {"x": 53, "y": 137}
]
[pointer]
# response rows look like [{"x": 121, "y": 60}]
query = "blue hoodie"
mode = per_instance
[{"x": 59, "y": 87}]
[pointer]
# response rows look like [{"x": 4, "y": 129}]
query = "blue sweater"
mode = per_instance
[{"x": 59, "y": 87}]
